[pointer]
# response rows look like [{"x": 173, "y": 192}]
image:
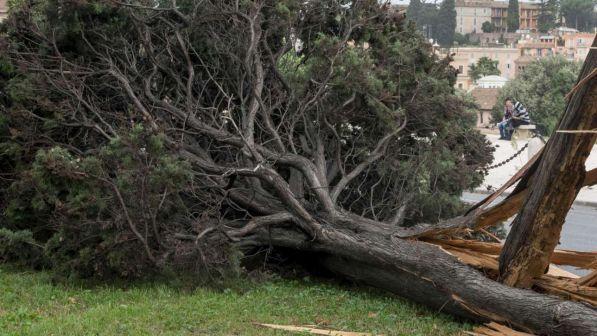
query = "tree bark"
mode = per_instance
[
  {"x": 429, "y": 275},
  {"x": 557, "y": 181}
]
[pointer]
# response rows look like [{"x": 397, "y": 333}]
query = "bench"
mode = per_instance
[{"x": 524, "y": 132}]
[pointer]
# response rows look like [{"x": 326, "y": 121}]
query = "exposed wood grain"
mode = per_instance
[{"x": 556, "y": 183}]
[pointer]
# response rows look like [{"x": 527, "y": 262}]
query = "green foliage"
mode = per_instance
[
  {"x": 101, "y": 192},
  {"x": 20, "y": 247},
  {"x": 484, "y": 67},
  {"x": 579, "y": 14},
  {"x": 541, "y": 87},
  {"x": 488, "y": 27},
  {"x": 462, "y": 40},
  {"x": 548, "y": 13},
  {"x": 414, "y": 11},
  {"x": 66, "y": 200},
  {"x": 513, "y": 18},
  {"x": 446, "y": 23},
  {"x": 425, "y": 16}
]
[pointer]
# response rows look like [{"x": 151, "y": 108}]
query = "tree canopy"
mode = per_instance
[
  {"x": 446, "y": 23},
  {"x": 579, "y": 14},
  {"x": 141, "y": 138},
  {"x": 541, "y": 87},
  {"x": 548, "y": 13},
  {"x": 485, "y": 66},
  {"x": 488, "y": 27},
  {"x": 513, "y": 18},
  {"x": 425, "y": 16}
]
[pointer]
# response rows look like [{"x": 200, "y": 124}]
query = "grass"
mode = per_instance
[{"x": 30, "y": 304}]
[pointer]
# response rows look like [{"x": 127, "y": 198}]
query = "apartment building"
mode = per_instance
[
  {"x": 463, "y": 57},
  {"x": 541, "y": 46},
  {"x": 573, "y": 45},
  {"x": 3, "y": 9},
  {"x": 577, "y": 46},
  {"x": 470, "y": 15}
]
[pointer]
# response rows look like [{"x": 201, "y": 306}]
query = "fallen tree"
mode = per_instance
[
  {"x": 560, "y": 175},
  {"x": 163, "y": 135}
]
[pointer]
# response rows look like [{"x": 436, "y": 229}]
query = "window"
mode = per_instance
[
  {"x": 508, "y": 66},
  {"x": 460, "y": 69}
]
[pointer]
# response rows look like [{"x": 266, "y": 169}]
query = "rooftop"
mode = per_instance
[
  {"x": 492, "y": 78},
  {"x": 486, "y": 98}
]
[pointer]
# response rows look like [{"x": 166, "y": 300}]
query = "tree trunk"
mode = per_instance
[
  {"x": 558, "y": 179},
  {"x": 429, "y": 275}
]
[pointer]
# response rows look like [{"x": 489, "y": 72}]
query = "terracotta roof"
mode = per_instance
[
  {"x": 525, "y": 59},
  {"x": 486, "y": 98}
]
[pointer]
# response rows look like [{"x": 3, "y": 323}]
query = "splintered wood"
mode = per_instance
[
  {"x": 495, "y": 329},
  {"x": 484, "y": 256},
  {"x": 311, "y": 330}
]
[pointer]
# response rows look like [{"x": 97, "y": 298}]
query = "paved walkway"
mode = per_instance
[{"x": 504, "y": 149}]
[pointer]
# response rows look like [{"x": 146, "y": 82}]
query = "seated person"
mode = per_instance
[
  {"x": 503, "y": 125},
  {"x": 519, "y": 116}
]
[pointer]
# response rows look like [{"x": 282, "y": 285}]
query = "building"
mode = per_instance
[
  {"x": 471, "y": 14},
  {"x": 521, "y": 62},
  {"x": 577, "y": 46},
  {"x": 571, "y": 44},
  {"x": 528, "y": 15},
  {"x": 540, "y": 46},
  {"x": 3, "y": 9},
  {"x": 495, "y": 39},
  {"x": 491, "y": 82},
  {"x": 486, "y": 98},
  {"x": 562, "y": 31},
  {"x": 463, "y": 57}
]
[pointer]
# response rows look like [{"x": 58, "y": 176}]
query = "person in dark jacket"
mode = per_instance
[{"x": 503, "y": 125}]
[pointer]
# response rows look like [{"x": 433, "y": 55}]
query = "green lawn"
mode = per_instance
[{"x": 31, "y": 305}]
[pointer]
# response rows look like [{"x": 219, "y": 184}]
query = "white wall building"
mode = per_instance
[{"x": 491, "y": 82}]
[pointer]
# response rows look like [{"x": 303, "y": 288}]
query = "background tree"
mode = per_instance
[
  {"x": 541, "y": 87},
  {"x": 579, "y": 14},
  {"x": 414, "y": 11},
  {"x": 488, "y": 27},
  {"x": 513, "y": 19},
  {"x": 548, "y": 12},
  {"x": 462, "y": 40},
  {"x": 485, "y": 66},
  {"x": 428, "y": 22},
  {"x": 446, "y": 23},
  {"x": 425, "y": 17}
]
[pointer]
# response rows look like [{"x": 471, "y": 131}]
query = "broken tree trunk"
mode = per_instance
[
  {"x": 430, "y": 275},
  {"x": 558, "y": 179}
]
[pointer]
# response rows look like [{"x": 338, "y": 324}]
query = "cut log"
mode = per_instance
[{"x": 558, "y": 179}]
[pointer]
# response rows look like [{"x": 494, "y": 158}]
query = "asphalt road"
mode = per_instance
[{"x": 579, "y": 232}]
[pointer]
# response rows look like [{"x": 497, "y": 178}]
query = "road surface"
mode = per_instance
[{"x": 579, "y": 232}]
